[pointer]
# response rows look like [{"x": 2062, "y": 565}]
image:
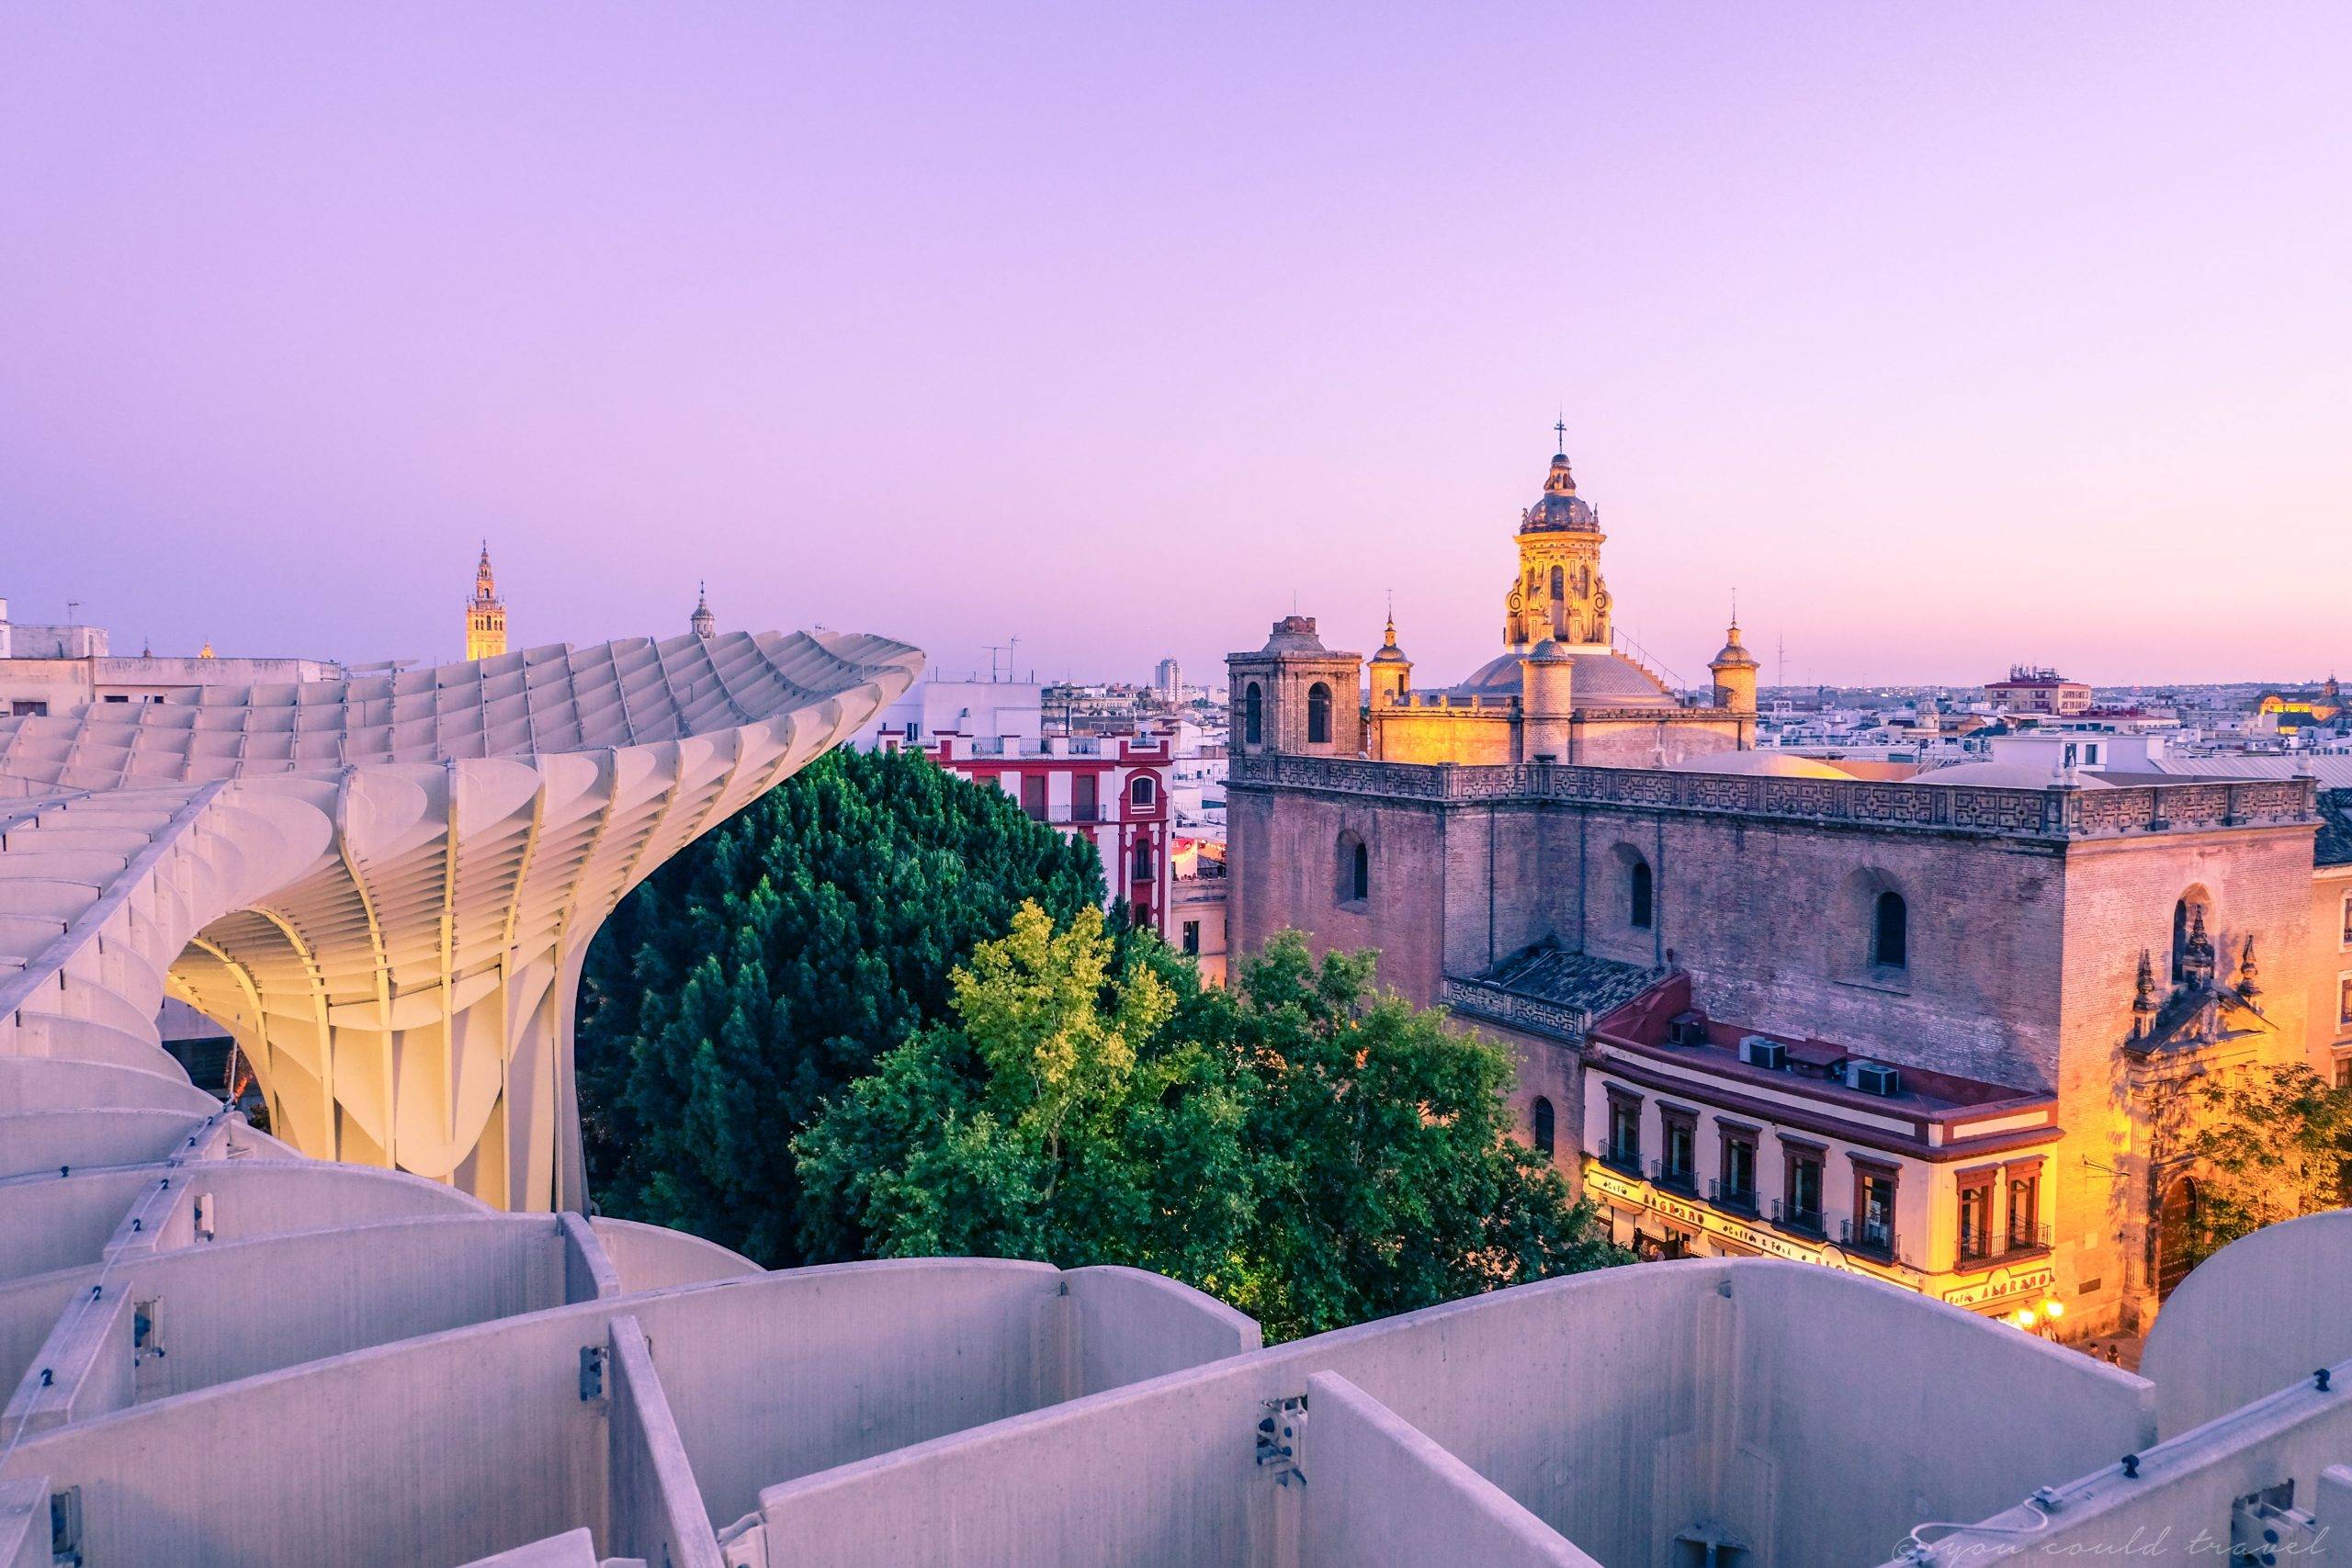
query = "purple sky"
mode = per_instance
[{"x": 1951, "y": 335}]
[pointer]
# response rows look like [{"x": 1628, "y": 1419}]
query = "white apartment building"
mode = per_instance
[{"x": 49, "y": 670}]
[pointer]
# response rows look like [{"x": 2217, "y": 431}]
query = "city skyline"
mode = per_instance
[{"x": 1946, "y": 346}]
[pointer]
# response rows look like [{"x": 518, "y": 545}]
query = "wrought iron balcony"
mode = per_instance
[
  {"x": 1739, "y": 1200},
  {"x": 1798, "y": 1220},
  {"x": 1674, "y": 1180},
  {"x": 1875, "y": 1238},
  {"x": 1627, "y": 1160},
  {"x": 2026, "y": 1238}
]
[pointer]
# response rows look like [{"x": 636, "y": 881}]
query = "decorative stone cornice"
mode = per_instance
[{"x": 2064, "y": 815}]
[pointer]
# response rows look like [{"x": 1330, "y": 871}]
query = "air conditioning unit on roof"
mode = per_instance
[
  {"x": 1873, "y": 1077},
  {"x": 1759, "y": 1052},
  {"x": 1687, "y": 1029}
]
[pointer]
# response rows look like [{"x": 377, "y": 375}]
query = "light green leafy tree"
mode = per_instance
[
  {"x": 2271, "y": 1143},
  {"x": 1312, "y": 1152}
]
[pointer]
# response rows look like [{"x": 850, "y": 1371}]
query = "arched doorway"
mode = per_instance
[{"x": 2175, "y": 1234}]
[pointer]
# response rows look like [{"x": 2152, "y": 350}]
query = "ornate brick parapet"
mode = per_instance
[
  {"x": 1475, "y": 998},
  {"x": 2060, "y": 812}
]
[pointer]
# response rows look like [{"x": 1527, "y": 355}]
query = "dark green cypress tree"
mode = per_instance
[{"x": 773, "y": 961}]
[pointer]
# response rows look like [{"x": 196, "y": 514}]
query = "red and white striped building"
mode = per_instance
[{"x": 1109, "y": 790}]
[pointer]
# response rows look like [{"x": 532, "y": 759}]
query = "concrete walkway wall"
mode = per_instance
[
  {"x": 648, "y": 1257},
  {"x": 1617, "y": 1407},
  {"x": 496, "y": 1441},
  {"x": 1130, "y": 1326},
  {"x": 2295, "y": 1279},
  {"x": 1385, "y": 1496},
  {"x": 2172, "y": 1503},
  {"x": 239, "y": 1309}
]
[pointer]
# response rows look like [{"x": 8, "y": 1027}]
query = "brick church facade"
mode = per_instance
[{"x": 1941, "y": 1032}]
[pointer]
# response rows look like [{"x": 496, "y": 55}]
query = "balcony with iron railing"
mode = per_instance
[
  {"x": 2026, "y": 1238},
  {"x": 1987, "y": 1246},
  {"x": 1798, "y": 1220},
  {"x": 1685, "y": 1180},
  {"x": 1738, "y": 1200},
  {"x": 1621, "y": 1157},
  {"x": 1873, "y": 1238}
]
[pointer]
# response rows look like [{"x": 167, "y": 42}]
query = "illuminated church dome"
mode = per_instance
[
  {"x": 1559, "y": 509},
  {"x": 1604, "y": 679}
]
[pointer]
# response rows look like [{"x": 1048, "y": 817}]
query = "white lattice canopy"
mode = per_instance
[{"x": 385, "y": 886}]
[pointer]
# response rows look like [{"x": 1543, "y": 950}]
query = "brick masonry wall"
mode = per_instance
[
  {"x": 1290, "y": 842},
  {"x": 2119, "y": 900},
  {"x": 2022, "y": 962},
  {"x": 2327, "y": 1036}
]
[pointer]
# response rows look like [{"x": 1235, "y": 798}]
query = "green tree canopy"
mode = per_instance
[
  {"x": 777, "y": 958},
  {"x": 1309, "y": 1151},
  {"x": 2271, "y": 1144}
]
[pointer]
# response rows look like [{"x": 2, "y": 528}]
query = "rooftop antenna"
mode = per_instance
[
  {"x": 72, "y": 611},
  {"x": 1784, "y": 660},
  {"x": 1010, "y": 672}
]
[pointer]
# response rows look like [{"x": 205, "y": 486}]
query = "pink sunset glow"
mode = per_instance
[{"x": 1949, "y": 336}]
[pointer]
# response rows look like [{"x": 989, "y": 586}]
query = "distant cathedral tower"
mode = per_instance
[
  {"x": 705, "y": 623},
  {"x": 486, "y": 616}
]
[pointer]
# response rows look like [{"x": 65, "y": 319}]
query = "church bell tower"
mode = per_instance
[
  {"x": 486, "y": 613},
  {"x": 1559, "y": 593}
]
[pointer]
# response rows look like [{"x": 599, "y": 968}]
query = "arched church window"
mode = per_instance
[
  {"x": 1353, "y": 883},
  {"x": 1559, "y": 582},
  {"x": 1143, "y": 791},
  {"x": 1643, "y": 888},
  {"x": 2179, "y": 938},
  {"x": 1540, "y": 1116},
  {"x": 1319, "y": 714},
  {"x": 1891, "y": 941},
  {"x": 1253, "y": 714},
  {"x": 1143, "y": 867}
]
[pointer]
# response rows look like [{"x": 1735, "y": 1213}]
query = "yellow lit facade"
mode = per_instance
[{"x": 1561, "y": 689}]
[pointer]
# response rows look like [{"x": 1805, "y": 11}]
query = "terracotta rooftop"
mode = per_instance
[{"x": 1933, "y": 1110}]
